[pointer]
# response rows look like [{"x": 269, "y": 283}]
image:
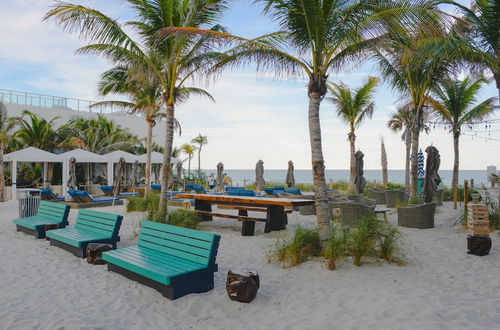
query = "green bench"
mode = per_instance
[
  {"x": 49, "y": 216},
  {"x": 91, "y": 227},
  {"x": 173, "y": 260}
]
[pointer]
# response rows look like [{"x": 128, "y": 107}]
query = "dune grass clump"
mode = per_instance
[
  {"x": 336, "y": 247},
  {"x": 184, "y": 218},
  {"x": 389, "y": 242},
  {"x": 298, "y": 247},
  {"x": 494, "y": 217},
  {"x": 136, "y": 204},
  {"x": 363, "y": 238}
]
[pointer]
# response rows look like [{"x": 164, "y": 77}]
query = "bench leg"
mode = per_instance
[
  {"x": 247, "y": 227},
  {"x": 276, "y": 219},
  {"x": 203, "y": 206}
]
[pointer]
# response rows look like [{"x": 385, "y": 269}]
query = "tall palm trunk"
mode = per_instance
[
  {"x": 351, "y": 188},
  {"x": 456, "y": 137},
  {"x": 414, "y": 163},
  {"x": 407, "y": 160},
  {"x": 189, "y": 166},
  {"x": 148, "y": 155},
  {"x": 199, "y": 163},
  {"x": 165, "y": 170},
  {"x": 383, "y": 161},
  {"x": 496, "y": 75},
  {"x": 318, "y": 167},
  {"x": 2, "y": 178}
]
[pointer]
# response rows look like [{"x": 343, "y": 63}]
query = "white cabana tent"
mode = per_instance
[
  {"x": 114, "y": 157},
  {"x": 156, "y": 158},
  {"x": 82, "y": 156},
  {"x": 31, "y": 155}
]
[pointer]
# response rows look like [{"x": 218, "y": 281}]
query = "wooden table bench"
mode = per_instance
[{"x": 276, "y": 215}]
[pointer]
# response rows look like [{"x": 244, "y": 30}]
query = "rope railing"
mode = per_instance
[{"x": 8, "y": 96}]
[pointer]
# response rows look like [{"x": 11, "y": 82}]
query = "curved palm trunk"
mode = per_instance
[
  {"x": 199, "y": 163},
  {"x": 414, "y": 151},
  {"x": 456, "y": 136},
  {"x": 165, "y": 170},
  {"x": 2, "y": 178},
  {"x": 351, "y": 188},
  {"x": 148, "y": 157},
  {"x": 407, "y": 161},
  {"x": 318, "y": 167}
]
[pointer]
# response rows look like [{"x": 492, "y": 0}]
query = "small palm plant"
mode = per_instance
[
  {"x": 189, "y": 150},
  {"x": 455, "y": 102},
  {"x": 353, "y": 107},
  {"x": 200, "y": 140}
]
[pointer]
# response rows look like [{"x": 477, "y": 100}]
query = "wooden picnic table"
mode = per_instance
[{"x": 276, "y": 218}]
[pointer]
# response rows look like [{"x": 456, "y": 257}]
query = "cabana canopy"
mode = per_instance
[
  {"x": 83, "y": 156},
  {"x": 31, "y": 155},
  {"x": 157, "y": 158},
  {"x": 115, "y": 156}
]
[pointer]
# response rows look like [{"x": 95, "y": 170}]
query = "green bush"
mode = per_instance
[
  {"x": 336, "y": 246},
  {"x": 295, "y": 249},
  {"x": 150, "y": 205},
  {"x": 135, "y": 204},
  {"x": 184, "y": 218},
  {"x": 494, "y": 216}
]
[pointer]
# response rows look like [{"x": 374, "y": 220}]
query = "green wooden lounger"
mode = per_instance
[
  {"x": 49, "y": 216},
  {"x": 173, "y": 260},
  {"x": 91, "y": 227}
]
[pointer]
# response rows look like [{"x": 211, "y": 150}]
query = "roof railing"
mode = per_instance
[{"x": 49, "y": 101}]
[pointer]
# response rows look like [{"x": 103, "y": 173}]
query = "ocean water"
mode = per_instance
[{"x": 241, "y": 177}]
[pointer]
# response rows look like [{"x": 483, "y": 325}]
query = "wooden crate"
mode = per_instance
[{"x": 478, "y": 221}]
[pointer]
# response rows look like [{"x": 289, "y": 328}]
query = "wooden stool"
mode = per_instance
[{"x": 186, "y": 205}]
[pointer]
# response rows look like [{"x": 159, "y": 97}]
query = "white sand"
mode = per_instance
[{"x": 44, "y": 287}]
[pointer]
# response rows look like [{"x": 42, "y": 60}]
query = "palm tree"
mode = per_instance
[
  {"x": 189, "y": 150},
  {"x": 477, "y": 38},
  {"x": 383, "y": 162},
  {"x": 455, "y": 102},
  {"x": 98, "y": 135},
  {"x": 37, "y": 132},
  {"x": 322, "y": 36},
  {"x": 413, "y": 74},
  {"x": 401, "y": 120},
  {"x": 6, "y": 126},
  {"x": 183, "y": 58},
  {"x": 353, "y": 107},
  {"x": 200, "y": 140}
]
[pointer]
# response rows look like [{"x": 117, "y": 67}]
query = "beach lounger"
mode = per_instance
[
  {"x": 108, "y": 191},
  {"x": 196, "y": 187},
  {"x": 173, "y": 260},
  {"x": 49, "y": 216},
  {"x": 241, "y": 192},
  {"x": 155, "y": 187},
  {"x": 294, "y": 191},
  {"x": 48, "y": 195},
  {"x": 82, "y": 199},
  {"x": 91, "y": 227}
]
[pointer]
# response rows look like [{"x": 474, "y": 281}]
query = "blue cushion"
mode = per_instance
[
  {"x": 247, "y": 193},
  {"x": 107, "y": 188},
  {"x": 129, "y": 194},
  {"x": 294, "y": 191},
  {"x": 279, "y": 188},
  {"x": 234, "y": 188},
  {"x": 269, "y": 190},
  {"x": 155, "y": 187}
]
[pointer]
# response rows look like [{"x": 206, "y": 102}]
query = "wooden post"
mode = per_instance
[
  {"x": 455, "y": 195},
  {"x": 466, "y": 194}
]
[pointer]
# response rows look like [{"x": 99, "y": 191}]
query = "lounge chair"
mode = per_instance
[
  {"x": 91, "y": 227},
  {"x": 362, "y": 200},
  {"x": 196, "y": 187},
  {"x": 241, "y": 192},
  {"x": 393, "y": 197},
  {"x": 155, "y": 187},
  {"x": 50, "y": 215},
  {"x": 227, "y": 189},
  {"x": 173, "y": 260},
  {"x": 48, "y": 195},
  {"x": 82, "y": 199},
  {"x": 419, "y": 216},
  {"x": 108, "y": 191},
  {"x": 352, "y": 211}
]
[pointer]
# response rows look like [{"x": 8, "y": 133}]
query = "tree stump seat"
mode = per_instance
[
  {"x": 94, "y": 253},
  {"x": 242, "y": 284}
]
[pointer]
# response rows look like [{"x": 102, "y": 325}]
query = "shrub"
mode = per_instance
[
  {"x": 494, "y": 216},
  {"x": 364, "y": 237},
  {"x": 150, "y": 205},
  {"x": 336, "y": 246},
  {"x": 135, "y": 204},
  {"x": 183, "y": 218},
  {"x": 295, "y": 249},
  {"x": 389, "y": 242}
]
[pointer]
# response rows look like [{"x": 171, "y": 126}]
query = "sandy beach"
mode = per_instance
[{"x": 441, "y": 287}]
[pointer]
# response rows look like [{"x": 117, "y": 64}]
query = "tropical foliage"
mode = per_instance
[
  {"x": 6, "y": 126},
  {"x": 200, "y": 140}
]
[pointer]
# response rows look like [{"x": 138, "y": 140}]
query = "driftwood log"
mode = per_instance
[
  {"x": 94, "y": 253},
  {"x": 242, "y": 284}
]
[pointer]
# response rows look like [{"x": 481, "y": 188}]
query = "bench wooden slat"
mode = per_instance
[
  {"x": 223, "y": 215},
  {"x": 178, "y": 238},
  {"x": 157, "y": 239}
]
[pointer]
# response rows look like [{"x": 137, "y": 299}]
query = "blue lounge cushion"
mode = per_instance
[
  {"x": 107, "y": 188},
  {"x": 294, "y": 191},
  {"x": 155, "y": 187}
]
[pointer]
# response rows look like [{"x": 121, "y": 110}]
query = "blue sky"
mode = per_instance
[{"x": 253, "y": 117}]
